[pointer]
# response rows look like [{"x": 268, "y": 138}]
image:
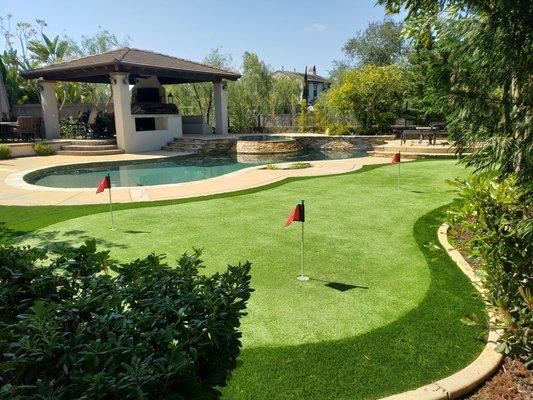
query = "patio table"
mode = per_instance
[{"x": 421, "y": 133}]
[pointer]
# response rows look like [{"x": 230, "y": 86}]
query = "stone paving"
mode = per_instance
[{"x": 15, "y": 191}]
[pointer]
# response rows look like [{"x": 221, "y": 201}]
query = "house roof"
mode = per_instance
[
  {"x": 310, "y": 77},
  {"x": 97, "y": 67}
]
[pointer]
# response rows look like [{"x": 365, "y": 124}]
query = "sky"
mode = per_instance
[{"x": 289, "y": 33}]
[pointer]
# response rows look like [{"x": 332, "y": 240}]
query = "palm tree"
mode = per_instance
[{"x": 48, "y": 51}]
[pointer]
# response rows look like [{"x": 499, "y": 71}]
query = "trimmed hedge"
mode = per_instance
[
  {"x": 5, "y": 152},
  {"x": 43, "y": 149},
  {"x": 69, "y": 329}
]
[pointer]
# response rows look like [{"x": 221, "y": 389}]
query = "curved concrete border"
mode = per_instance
[
  {"x": 15, "y": 191},
  {"x": 482, "y": 368}
]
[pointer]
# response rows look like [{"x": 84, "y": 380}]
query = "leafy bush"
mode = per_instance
[
  {"x": 5, "y": 152},
  {"x": 320, "y": 118},
  {"x": 341, "y": 129},
  {"x": 69, "y": 128},
  {"x": 372, "y": 94},
  {"x": 300, "y": 165},
  {"x": 302, "y": 119},
  {"x": 498, "y": 214},
  {"x": 70, "y": 330},
  {"x": 43, "y": 149}
]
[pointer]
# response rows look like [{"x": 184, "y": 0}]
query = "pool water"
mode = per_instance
[{"x": 163, "y": 171}]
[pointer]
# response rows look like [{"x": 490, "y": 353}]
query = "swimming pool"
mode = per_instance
[{"x": 164, "y": 171}]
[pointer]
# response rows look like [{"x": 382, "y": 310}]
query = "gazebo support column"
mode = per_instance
[
  {"x": 221, "y": 107},
  {"x": 122, "y": 107},
  {"x": 47, "y": 92}
]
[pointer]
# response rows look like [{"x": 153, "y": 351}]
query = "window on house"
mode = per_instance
[{"x": 315, "y": 90}]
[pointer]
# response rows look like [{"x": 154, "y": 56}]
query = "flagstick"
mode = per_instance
[
  {"x": 111, "y": 211},
  {"x": 399, "y": 175},
  {"x": 302, "y": 276}
]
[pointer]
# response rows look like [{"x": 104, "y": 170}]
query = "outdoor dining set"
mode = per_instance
[
  {"x": 24, "y": 129},
  {"x": 90, "y": 124},
  {"x": 431, "y": 133}
]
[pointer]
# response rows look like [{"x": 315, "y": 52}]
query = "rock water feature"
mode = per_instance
[{"x": 267, "y": 145}]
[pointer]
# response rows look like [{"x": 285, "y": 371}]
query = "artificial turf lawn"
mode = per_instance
[{"x": 398, "y": 328}]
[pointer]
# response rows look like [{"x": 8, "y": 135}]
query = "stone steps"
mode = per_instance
[
  {"x": 414, "y": 149},
  {"x": 98, "y": 147},
  {"x": 76, "y": 147},
  {"x": 91, "y": 142},
  {"x": 89, "y": 152},
  {"x": 411, "y": 155}
]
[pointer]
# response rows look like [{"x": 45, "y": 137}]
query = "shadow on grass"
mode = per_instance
[
  {"x": 426, "y": 344},
  {"x": 7, "y": 234},
  {"x": 341, "y": 287},
  {"x": 56, "y": 239}
]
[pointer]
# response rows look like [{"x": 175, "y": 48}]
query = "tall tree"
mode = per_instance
[
  {"x": 484, "y": 74},
  {"x": 249, "y": 97},
  {"x": 197, "y": 98},
  {"x": 381, "y": 43},
  {"x": 372, "y": 94},
  {"x": 286, "y": 91}
]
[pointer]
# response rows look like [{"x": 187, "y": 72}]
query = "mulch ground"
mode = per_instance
[{"x": 512, "y": 382}]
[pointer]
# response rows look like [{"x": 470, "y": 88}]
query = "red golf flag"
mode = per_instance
[
  {"x": 104, "y": 184},
  {"x": 396, "y": 158},
  {"x": 298, "y": 214}
]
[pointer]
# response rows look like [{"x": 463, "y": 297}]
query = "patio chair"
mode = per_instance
[
  {"x": 86, "y": 122},
  {"x": 27, "y": 129}
]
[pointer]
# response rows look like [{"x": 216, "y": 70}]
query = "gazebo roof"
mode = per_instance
[{"x": 138, "y": 63}]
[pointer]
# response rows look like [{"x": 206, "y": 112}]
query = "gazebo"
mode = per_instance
[{"x": 143, "y": 120}]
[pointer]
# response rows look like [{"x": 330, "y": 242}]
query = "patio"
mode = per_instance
[{"x": 144, "y": 118}]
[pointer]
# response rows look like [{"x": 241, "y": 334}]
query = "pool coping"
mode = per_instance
[
  {"x": 17, "y": 179},
  {"x": 15, "y": 191},
  {"x": 478, "y": 371}
]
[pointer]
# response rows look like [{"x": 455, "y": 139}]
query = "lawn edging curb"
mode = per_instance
[{"x": 481, "y": 369}]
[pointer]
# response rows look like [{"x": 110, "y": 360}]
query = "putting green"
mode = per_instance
[{"x": 364, "y": 257}]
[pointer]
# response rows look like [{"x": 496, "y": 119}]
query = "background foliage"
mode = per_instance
[{"x": 372, "y": 94}]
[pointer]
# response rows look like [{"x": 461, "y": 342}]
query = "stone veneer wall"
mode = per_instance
[
  {"x": 250, "y": 146},
  {"x": 314, "y": 142},
  {"x": 219, "y": 146},
  {"x": 360, "y": 142}
]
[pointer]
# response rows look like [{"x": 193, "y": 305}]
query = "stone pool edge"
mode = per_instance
[{"x": 15, "y": 191}]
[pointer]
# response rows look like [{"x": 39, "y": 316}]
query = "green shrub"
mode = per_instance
[
  {"x": 300, "y": 165},
  {"x": 303, "y": 118},
  {"x": 498, "y": 216},
  {"x": 5, "y": 152},
  {"x": 43, "y": 149},
  {"x": 69, "y": 128},
  {"x": 320, "y": 117},
  {"x": 341, "y": 129},
  {"x": 70, "y": 330}
]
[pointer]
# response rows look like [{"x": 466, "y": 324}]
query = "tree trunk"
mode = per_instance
[
  {"x": 197, "y": 98},
  {"x": 520, "y": 135},
  {"x": 208, "y": 113}
]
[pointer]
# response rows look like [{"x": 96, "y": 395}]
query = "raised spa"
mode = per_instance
[{"x": 267, "y": 145}]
